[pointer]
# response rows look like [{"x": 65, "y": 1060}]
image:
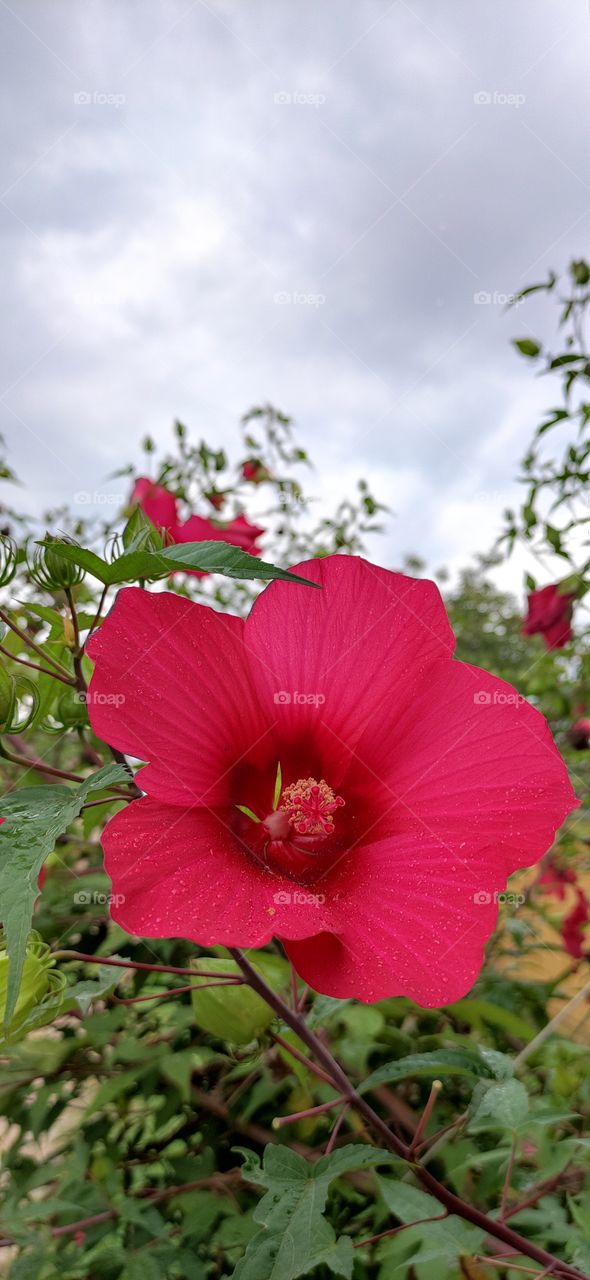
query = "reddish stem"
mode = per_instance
[
  {"x": 279, "y": 1121},
  {"x": 452, "y": 1203},
  {"x": 394, "y": 1231},
  {"x": 45, "y": 671},
  {"x": 178, "y": 991},
  {"x": 147, "y": 968}
]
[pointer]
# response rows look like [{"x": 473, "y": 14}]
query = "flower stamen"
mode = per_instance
[{"x": 309, "y": 806}]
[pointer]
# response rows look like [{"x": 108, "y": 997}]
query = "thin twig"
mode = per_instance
[
  {"x": 137, "y": 964},
  {"x": 35, "y": 666},
  {"x": 551, "y": 1026},
  {"x": 27, "y": 639}
]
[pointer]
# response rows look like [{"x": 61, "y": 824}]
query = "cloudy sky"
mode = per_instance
[{"x": 208, "y": 205}]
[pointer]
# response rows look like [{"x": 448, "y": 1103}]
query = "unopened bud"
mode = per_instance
[
  {"x": 8, "y": 559},
  {"x": 41, "y": 988},
  {"x": 7, "y": 697},
  {"x": 71, "y": 709},
  {"x": 52, "y": 570},
  {"x": 255, "y": 471}
]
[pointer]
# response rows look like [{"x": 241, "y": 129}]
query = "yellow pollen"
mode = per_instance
[{"x": 309, "y": 806}]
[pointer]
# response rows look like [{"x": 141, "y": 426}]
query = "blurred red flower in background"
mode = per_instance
[
  {"x": 161, "y": 507},
  {"x": 255, "y": 471},
  {"x": 550, "y": 614}
]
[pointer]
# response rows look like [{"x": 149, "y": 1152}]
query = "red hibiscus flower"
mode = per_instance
[
  {"x": 216, "y": 498},
  {"x": 255, "y": 471},
  {"x": 555, "y": 876},
  {"x": 161, "y": 508},
  {"x": 324, "y": 772},
  {"x": 238, "y": 531},
  {"x": 574, "y": 925},
  {"x": 550, "y": 614},
  {"x": 158, "y": 503},
  {"x": 579, "y": 734}
]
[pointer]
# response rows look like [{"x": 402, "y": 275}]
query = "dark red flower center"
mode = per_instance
[{"x": 294, "y": 833}]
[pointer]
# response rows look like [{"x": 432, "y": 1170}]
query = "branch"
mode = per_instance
[{"x": 451, "y": 1202}]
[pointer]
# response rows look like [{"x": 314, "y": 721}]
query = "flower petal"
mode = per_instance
[
  {"x": 409, "y": 917},
  {"x": 159, "y": 504},
  {"x": 470, "y": 759},
  {"x": 171, "y": 686},
  {"x": 182, "y": 873},
  {"x": 325, "y": 661}
]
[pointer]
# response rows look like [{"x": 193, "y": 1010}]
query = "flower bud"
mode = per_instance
[
  {"x": 140, "y": 533},
  {"x": 41, "y": 988},
  {"x": 71, "y": 709},
  {"x": 7, "y": 698},
  {"x": 580, "y": 272},
  {"x": 8, "y": 559},
  {"x": 255, "y": 471},
  {"x": 236, "y": 1013},
  {"x": 52, "y": 570}
]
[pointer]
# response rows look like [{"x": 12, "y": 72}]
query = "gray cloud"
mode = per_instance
[{"x": 222, "y": 156}]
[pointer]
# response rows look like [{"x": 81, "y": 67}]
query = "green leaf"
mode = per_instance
[
  {"x": 553, "y": 537},
  {"x": 527, "y": 347},
  {"x": 407, "y": 1202},
  {"x": 34, "y": 818},
  {"x": 180, "y": 1066},
  {"x": 478, "y": 1012},
  {"x": 236, "y": 1013},
  {"x": 504, "y": 1105},
  {"x": 296, "y": 1237},
  {"x": 438, "y": 1063},
  {"x": 208, "y": 557},
  {"x": 443, "y": 1243},
  {"x": 81, "y": 994}
]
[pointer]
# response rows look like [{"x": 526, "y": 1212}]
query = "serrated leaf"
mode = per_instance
[
  {"x": 296, "y": 1237},
  {"x": 83, "y": 993},
  {"x": 34, "y": 817},
  {"x": 207, "y": 557},
  {"x": 407, "y": 1202},
  {"x": 504, "y": 1105},
  {"x": 440, "y": 1062}
]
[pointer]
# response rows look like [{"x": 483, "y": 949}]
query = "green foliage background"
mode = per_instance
[{"x": 139, "y": 1139}]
